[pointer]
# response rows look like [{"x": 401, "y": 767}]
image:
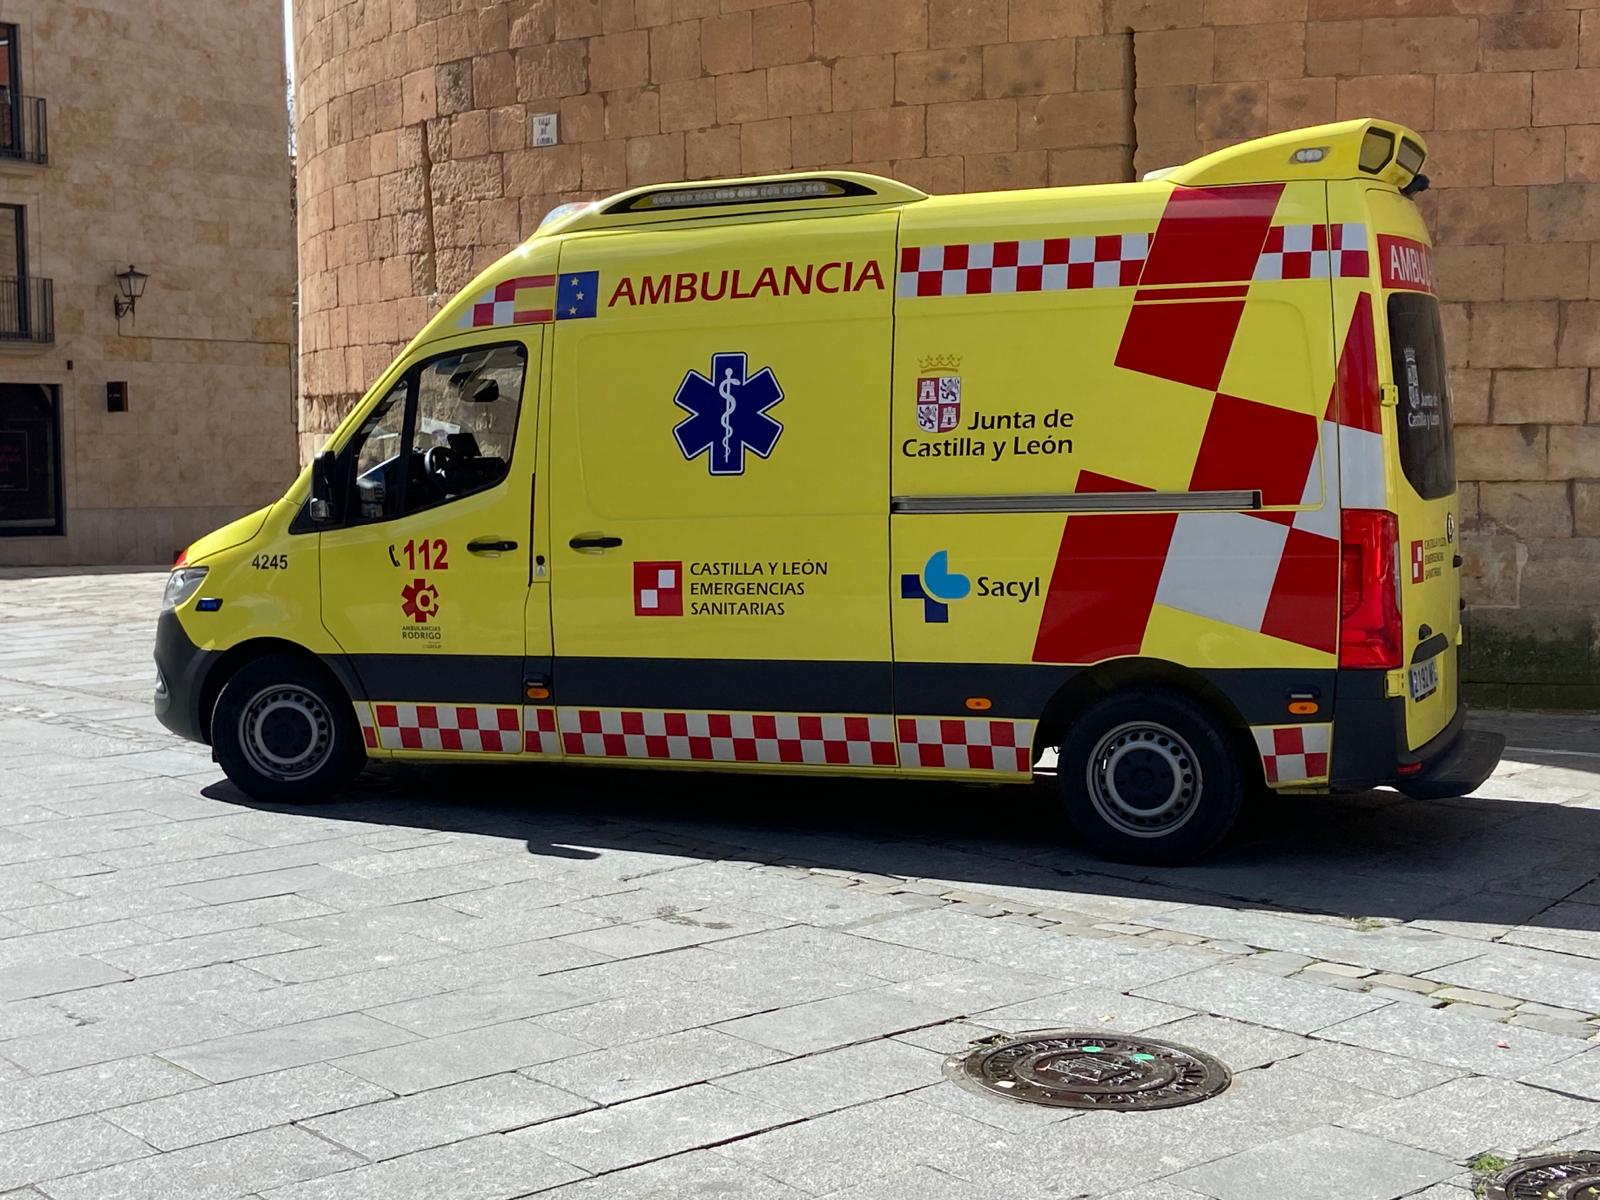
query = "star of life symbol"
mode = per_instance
[{"x": 728, "y": 413}]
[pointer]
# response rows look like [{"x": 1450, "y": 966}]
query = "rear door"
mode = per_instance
[{"x": 1411, "y": 361}]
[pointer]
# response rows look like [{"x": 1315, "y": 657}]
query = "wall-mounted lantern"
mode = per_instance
[{"x": 131, "y": 284}]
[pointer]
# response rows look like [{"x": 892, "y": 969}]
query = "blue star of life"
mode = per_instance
[{"x": 728, "y": 413}]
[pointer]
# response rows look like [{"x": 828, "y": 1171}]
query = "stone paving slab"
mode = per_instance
[
  {"x": 1578, "y": 1076},
  {"x": 443, "y": 1115},
  {"x": 257, "y": 1053},
  {"x": 490, "y": 985},
  {"x": 702, "y": 1174},
  {"x": 47, "y": 1152},
  {"x": 661, "y": 1064},
  {"x": 640, "y": 1131},
  {"x": 1468, "y": 1117},
  {"x": 1365, "y": 1168},
  {"x": 1534, "y": 975},
  {"x": 1291, "y": 1004},
  {"x": 1470, "y": 1045},
  {"x": 491, "y": 1167},
  {"x": 128, "y": 1081},
  {"x": 50, "y": 978},
  {"x": 458, "y": 1057},
  {"x": 215, "y": 1171},
  {"x": 243, "y": 1106}
]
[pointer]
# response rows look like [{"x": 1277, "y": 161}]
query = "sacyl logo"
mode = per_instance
[{"x": 936, "y": 586}]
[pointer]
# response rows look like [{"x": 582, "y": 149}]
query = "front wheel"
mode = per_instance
[
  {"x": 285, "y": 732},
  {"x": 1149, "y": 776}
]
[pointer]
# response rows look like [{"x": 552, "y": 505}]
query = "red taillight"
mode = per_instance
[{"x": 1369, "y": 607}]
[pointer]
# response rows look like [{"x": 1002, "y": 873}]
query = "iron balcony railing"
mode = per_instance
[
  {"x": 27, "y": 310},
  {"x": 24, "y": 129}
]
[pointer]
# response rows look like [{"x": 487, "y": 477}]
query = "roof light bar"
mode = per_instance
[
  {"x": 1310, "y": 154},
  {"x": 746, "y": 193}
]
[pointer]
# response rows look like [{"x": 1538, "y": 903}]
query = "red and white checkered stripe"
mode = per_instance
[
  {"x": 369, "y": 731},
  {"x": 1040, "y": 265},
  {"x": 1314, "y": 252},
  {"x": 967, "y": 744},
  {"x": 1293, "y": 753},
  {"x": 539, "y": 734},
  {"x": 813, "y": 739},
  {"x": 487, "y": 728}
]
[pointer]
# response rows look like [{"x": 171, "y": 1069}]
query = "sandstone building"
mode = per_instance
[
  {"x": 418, "y": 168},
  {"x": 150, "y": 133}
]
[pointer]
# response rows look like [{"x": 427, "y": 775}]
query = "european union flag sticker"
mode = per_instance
[{"x": 577, "y": 295}]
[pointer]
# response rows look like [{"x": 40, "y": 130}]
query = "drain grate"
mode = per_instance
[
  {"x": 1068, "y": 1069},
  {"x": 1554, "y": 1177}
]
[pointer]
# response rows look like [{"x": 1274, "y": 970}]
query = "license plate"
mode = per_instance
[{"x": 1425, "y": 679}]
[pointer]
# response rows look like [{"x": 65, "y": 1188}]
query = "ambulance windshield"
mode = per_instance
[{"x": 1416, "y": 341}]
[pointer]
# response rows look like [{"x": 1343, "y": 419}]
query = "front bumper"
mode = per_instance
[{"x": 181, "y": 672}]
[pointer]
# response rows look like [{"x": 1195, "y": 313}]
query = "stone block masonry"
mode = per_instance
[{"x": 417, "y": 171}]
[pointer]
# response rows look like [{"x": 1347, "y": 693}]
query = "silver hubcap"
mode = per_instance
[
  {"x": 1143, "y": 780},
  {"x": 286, "y": 732}
]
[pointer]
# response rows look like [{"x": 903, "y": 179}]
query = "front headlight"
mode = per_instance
[{"x": 182, "y": 584}]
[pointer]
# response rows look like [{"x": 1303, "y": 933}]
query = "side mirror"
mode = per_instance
[
  {"x": 486, "y": 392},
  {"x": 323, "y": 472}
]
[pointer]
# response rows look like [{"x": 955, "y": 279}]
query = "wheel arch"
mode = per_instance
[
  {"x": 236, "y": 657},
  {"x": 1095, "y": 683}
]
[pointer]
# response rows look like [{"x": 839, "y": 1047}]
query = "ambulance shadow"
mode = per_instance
[{"x": 1496, "y": 859}]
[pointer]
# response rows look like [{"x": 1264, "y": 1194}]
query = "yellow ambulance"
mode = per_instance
[{"x": 817, "y": 473}]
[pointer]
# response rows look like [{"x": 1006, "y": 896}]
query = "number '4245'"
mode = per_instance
[{"x": 270, "y": 562}]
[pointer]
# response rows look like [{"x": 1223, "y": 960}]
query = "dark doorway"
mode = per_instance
[{"x": 30, "y": 460}]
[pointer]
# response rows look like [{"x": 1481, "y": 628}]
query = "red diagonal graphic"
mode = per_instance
[
  {"x": 1206, "y": 235},
  {"x": 1104, "y": 582},
  {"x": 1187, "y": 342},
  {"x": 1211, "y": 235},
  {"x": 1300, "y": 608},
  {"x": 1249, "y": 445},
  {"x": 1354, "y": 400}
]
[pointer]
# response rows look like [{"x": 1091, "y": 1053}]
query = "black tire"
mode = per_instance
[
  {"x": 285, "y": 732},
  {"x": 1149, "y": 776}
]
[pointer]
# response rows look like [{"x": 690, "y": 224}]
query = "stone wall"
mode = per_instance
[
  {"x": 417, "y": 171},
  {"x": 167, "y": 149}
]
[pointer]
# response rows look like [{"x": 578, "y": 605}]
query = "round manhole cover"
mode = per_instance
[
  {"x": 1554, "y": 1177},
  {"x": 1068, "y": 1069}
]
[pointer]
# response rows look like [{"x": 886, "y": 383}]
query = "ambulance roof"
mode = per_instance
[{"x": 1361, "y": 149}]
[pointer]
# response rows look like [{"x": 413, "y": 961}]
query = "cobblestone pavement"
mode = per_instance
[{"x": 487, "y": 983}]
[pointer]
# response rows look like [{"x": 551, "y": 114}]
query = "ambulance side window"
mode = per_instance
[
  {"x": 1416, "y": 343},
  {"x": 444, "y": 431},
  {"x": 377, "y": 454}
]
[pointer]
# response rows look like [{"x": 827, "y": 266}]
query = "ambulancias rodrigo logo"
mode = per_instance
[{"x": 937, "y": 586}]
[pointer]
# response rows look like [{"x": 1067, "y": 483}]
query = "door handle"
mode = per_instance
[
  {"x": 595, "y": 541},
  {"x": 491, "y": 546}
]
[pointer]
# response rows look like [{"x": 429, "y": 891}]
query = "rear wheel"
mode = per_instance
[
  {"x": 1150, "y": 776},
  {"x": 284, "y": 732}
]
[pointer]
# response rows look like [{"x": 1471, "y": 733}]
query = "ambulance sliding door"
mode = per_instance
[{"x": 719, "y": 483}]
